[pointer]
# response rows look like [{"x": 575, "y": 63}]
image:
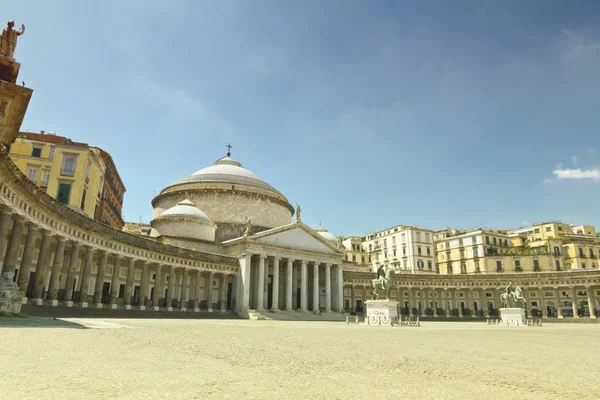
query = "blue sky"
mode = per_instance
[{"x": 369, "y": 114}]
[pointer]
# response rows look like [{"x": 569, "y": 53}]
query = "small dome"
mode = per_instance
[
  {"x": 330, "y": 237},
  {"x": 184, "y": 220},
  {"x": 187, "y": 209}
]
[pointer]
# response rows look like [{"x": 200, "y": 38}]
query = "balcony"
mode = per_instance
[{"x": 518, "y": 269}]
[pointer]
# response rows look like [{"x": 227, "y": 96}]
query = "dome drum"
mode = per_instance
[{"x": 185, "y": 220}]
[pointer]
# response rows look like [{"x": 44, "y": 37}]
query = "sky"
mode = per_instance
[{"x": 368, "y": 114}]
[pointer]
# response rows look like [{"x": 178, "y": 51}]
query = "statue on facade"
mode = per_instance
[
  {"x": 248, "y": 230},
  {"x": 6, "y": 281},
  {"x": 8, "y": 41},
  {"x": 340, "y": 242},
  {"x": 298, "y": 211},
  {"x": 384, "y": 282},
  {"x": 513, "y": 294}
]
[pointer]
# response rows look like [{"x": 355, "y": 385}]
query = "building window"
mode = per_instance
[
  {"x": 474, "y": 240},
  {"x": 36, "y": 152},
  {"x": 83, "y": 200},
  {"x": 548, "y": 228},
  {"x": 419, "y": 250},
  {"x": 418, "y": 236},
  {"x": 583, "y": 265},
  {"x": 429, "y": 251},
  {"x": 32, "y": 173},
  {"x": 495, "y": 241},
  {"x": 45, "y": 177},
  {"x": 592, "y": 253},
  {"x": 460, "y": 242},
  {"x": 498, "y": 265},
  {"x": 427, "y": 238},
  {"x": 558, "y": 265},
  {"x": 7, "y": 147},
  {"x": 556, "y": 251},
  {"x": 477, "y": 268},
  {"x": 429, "y": 265},
  {"x": 475, "y": 252},
  {"x": 487, "y": 240},
  {"x": 64, "y": 191},
  {"x": 505, "y": 243},
  {"x": 536, "y": 265},
  {"x": 581, "y": 252},
  {"x": 100, "y": 188},
  {"x": 536, "y": 231},
  {"x": 52, "y": 149},
  {"x": 353, "y": 258},
  {"x": 560, "y": 228},
  {"x": 68, "y": 165},
  {"x": 87, "y": 172},
  {"x": 462, "y": 254},
  {"x": 449, "y": 269},
  {"x": 463, "y": 268},
  {"x": 517, "y": 265}
]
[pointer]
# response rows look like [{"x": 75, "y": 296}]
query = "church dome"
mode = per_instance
[
  {"x": 226, "y": 170},
  {"x": 228, "y": 194},
  {"x": 185, "y": 220}
]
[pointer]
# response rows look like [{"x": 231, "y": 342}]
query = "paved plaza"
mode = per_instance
[{"x": 189, "y": 359}]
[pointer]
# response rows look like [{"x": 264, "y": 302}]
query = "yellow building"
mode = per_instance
[
  {"x": 71, "y": 172},
  {"x": 580, "y": 244},
  {"x": 487, "y": 251}
]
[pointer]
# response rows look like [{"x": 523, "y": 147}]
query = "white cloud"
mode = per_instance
[
  {"x": 548, "y": 181},
  {"x": 577, "y": 174},
  {"x": 574, "y": 159}
]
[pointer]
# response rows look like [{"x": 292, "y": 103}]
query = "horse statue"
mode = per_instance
[
  {"x": 384, "y": 282},
  {"x": 512, "y": 292}
]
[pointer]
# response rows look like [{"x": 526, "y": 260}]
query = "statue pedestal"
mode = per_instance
[
  {"x": 513, "y": 317},
  {"x": 11, "y": 298},
  {"x": 382, "y": 312}
]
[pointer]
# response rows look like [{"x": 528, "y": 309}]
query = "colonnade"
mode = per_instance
[
  {"x": 479, "y": 301},
  {"x": 68, "y": 275},
  {"x": 276, "y": 283}
]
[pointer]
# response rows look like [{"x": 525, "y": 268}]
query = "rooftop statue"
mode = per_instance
[
  {"x": 248, "y": 230},
  {"x": 298, "y": 211},
  {"x": 8, "y": 41}
]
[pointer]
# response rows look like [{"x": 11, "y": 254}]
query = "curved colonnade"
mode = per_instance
[{"x": 58, "y": 254}]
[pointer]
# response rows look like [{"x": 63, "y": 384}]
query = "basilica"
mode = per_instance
[{"x": 224, "y": 241}]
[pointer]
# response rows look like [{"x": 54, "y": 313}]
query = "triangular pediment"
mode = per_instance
[{"x": 296, "y": 235}]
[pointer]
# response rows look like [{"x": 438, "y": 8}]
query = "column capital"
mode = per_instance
[
  {"x": 328, "y": 265},
  {"x": 317, "y": 262},
  {"x": 292, "y": 260},
  {"x": 263, "y": 256},
  {"x": 18, "y": 218},
  {"x": 61, "y": 239},
  {"x": 244, "y": 255},
  {"x": 31, "y": 226},
  {"x": 278, "y": 258}
]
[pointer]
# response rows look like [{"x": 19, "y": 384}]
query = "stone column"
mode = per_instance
[
  {"x": 316, "y": 293},
  {"x": 223, "y": 293},
  {"x": 527, "y": 302},
  {"x": 100, "y": 279},
  {"x": 266, "y": 285},
  {"x": 423, "y": 303},
  {"x": 275, "y": 302},
  {"x": 484, "y": 305},
  {"x": 129, "y": 284},
  {"x": 295, "y": 272},
  {"x": 114, "y": 282},
  {"x": 558, "y": 305},
  {"x": 85, "y": 276},
  {"x": 59, "y": 256},
  {"x": 471, "y": 297},
  {"x": 143, "y": 286},
  {"x": 5, "y": 216},
  {"x": 574, "y": 302},
  {"x": 70, "y": 281},
  {"x": 435, "y": 301},
  {"x": 234, "y": 296},
  {"x": 303, "y": 286},
  {"x": 23, "y": 279},
  {"x": 245, "y": 276},
  {"x": 14, "y": 245},
  {"x": 289, "y": 285},
  {"x": 352, "y": 299},
  {"x": 364, "y": 298},
  {"x": 170, "y": 288},
  {"x": 458, "y": 306},
  {"x": 543, "y": 303},
  {"x": 327, "y": 287},
  {"x": 260, "y": 299},
  {"x": 197, "y": 291},
  {"x": 159, "y": 287},
  {"x": 591, "y": 301},
  {"x": 42, "y": 267},
  {"x": 183, "y": 290},
  {"x": 410, "y": 302},
  {"x": 447, "y": 303},
  {"x": 208, "y": 284},
  {"x": 340, "y": 289}
]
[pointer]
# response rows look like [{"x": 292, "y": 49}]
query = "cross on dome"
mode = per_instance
[{"x": 229, "y": 147}]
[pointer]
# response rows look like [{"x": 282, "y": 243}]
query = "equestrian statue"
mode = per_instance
[
  {"x": 513, "y": 295},
  {"x": 384, "y": 282}
]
